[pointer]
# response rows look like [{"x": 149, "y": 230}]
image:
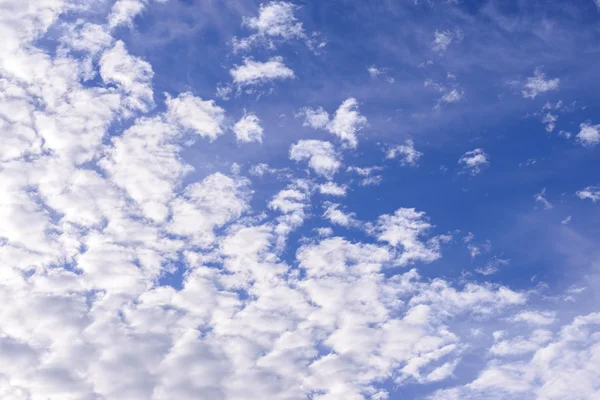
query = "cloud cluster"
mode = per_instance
[
  {"x": 127, "y": 274},
  {"x": 345, "y": 124}
]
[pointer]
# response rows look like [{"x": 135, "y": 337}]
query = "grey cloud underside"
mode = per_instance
[{"x": 92, "y": 225}]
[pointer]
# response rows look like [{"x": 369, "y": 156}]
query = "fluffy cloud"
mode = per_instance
[
  {"x": 537, "y": 84},
  {"x": 275, "y": 20},
  {"x": 407, "y": 152},
  {"x": 203, "y": 117},
  {"x": 339, "y": 217},
  {"x": 473, "y": 161},
  {"x": 248, "y": 129},
  {"x": 126, "y": 276},
  {"x": 591, "y": 192},
  {"x": 589, "y": 135},
  {"x": 404, "y": 229},
  {"x": 332, "y": 189},
  {"x": 556, "y": 366},
  {"x": 321, "y": 156},
  {"x": 257, "y": 73},
  {"x": 346, "y": 122}
]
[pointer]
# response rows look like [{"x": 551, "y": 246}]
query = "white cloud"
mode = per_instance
[
  {"x": 374, "y": 72},
  {"x": 535, "y": 317},
  {"x": 275, "y": 21},
  {"x": 442, "y": 40},
  {"x": 564, "y": 367},
  {"x": 452, "y": 96},
  {"x": 248, "y": 129},
  {"x": 124, "y": 11},
  {"x": 124, "y": 276},
  {"x": 202, "y": 117},
  {"x": 321, "y": 156},
  {"x": 257, "y": 73},
  {"x": 316, "y": 119},
  {"x": 409, "y": 155},
  {"x": 131, "y": 74},
  {"x": 537, "y": 84},
  {"x": 541, "y": 198},
  {"x": 492, "y": 266},
  {"x": 332, "y": 189},
  {"x": 589, "y": 135},
  {"x": 404, "y": 229},
  {"x": 550, "y": 121},
  {"x": 566, "y": 221},
  {"x": 369, "y": 179},
  {"x": 339, "y": 217},
  {"x": 206, "y": 205},
  {"x": 473, "y": 161},
  {"x": 347, "y": 121},
  {"x": 591, "y": 192}
]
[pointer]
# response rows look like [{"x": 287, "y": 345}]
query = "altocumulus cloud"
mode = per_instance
[{"x": 129, "y": 270}]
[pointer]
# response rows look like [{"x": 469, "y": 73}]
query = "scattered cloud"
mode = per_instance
[
  {"x": 203, "y": 117},
  {"x": 248, "y": 129},
  {"x": 252, "y": 72},
  {"x": 443, "y": 39},
  {"x": 332, "y": 189},
  {"x": 537, "y": 84},
  {"x": 541, "y": 198},
  {"x": 321, "y": 156},
  {"x": 408, "y": 154},
  {"x": 346, "y": 122},
  {"x": 589, "y": 135},
  {"x": 473, "y": 161},
  {"x": 591, "y": 193},
  {"x": 275, "y": 22}
]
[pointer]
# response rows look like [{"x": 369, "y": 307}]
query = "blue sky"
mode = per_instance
[{"x": 299, "y": 200}]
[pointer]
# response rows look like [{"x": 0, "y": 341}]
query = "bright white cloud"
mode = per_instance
[
  {"x": 332, "y": 189},
  {"x": 407, "y": 152},
  {"x": 275, "y": 22},
  {"x": 404, "y": 229},
  {"x": 257, "y": 73},
  {"x": 589, "y": 135},
  {"x": 248, "y": 129},
  {"x": 126, "y": 276},
  {"x": 473, "y": 161},
  {"x": 346, "y": 122},
  {"x": 316, "y": 119},
  {"x": 131, "y": 74},
  {"x": 338, "y": 217},
  {"x": 535, "y": 317},
  {"x": 124, "y": 11},
  {"x": 203, "y": 117},
  {"x": 537, "y": 84},
  {"x": 591, "y": 193},
  {"x": 321, "y": 156},
  {"x": 557, "y": 366}
]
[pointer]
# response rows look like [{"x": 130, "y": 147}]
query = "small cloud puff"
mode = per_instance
[
  {"x": 248, "y": 129},
  {"x": 321, "y": 155},
  {"x": 408, "y": 154},
  {"x": 257, "y": 73},
  {"x": 473, "y": 161},
  {"x": 537, "y": 84}
]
